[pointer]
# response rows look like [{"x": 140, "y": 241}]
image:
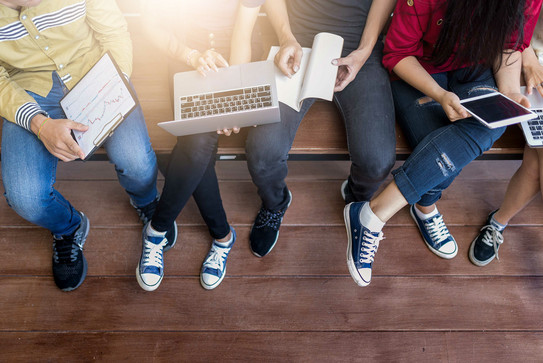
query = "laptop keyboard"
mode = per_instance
[
  {"x": 536, "y": 125},
  {"x": 219, "y": 103}
]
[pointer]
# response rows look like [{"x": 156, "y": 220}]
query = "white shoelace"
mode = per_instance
[
  {"x": 437, "y": 229},
  {"x": 216, "y": 257},
  {"x": 370, "y": 244},
  {"x": 492, "y": 238},
  {"x": 153, "y": 253}
]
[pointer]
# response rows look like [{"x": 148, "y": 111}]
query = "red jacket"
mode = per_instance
[{"x": 415, "y": 28}]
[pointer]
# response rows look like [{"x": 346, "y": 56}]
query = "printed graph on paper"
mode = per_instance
[{"x": 100, "y": 100}]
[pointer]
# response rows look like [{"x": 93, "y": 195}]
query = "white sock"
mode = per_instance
[
  {"x": 494, "y": 223},
  {"x": 426, "y": 216},
  {"x": 370, "y": 220},
  {"x": 227, "y": 243},
  {"x": 153, "y": 232}
]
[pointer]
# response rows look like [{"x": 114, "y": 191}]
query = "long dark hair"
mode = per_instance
[{"x": 477, "y": 31}]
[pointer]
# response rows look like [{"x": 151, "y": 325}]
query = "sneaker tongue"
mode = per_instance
[{"x": 63, "y": 250}]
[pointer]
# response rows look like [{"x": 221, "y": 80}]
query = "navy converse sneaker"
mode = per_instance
[
  {"x": 146, "y": 213},
  {"x": 214, "y": 266},
  {"x": 265, "y": 230},
  {"x": 485, "y": 246},
  {"x": 69, "y": 264},
  {"x": 150, "y": 270},
  {"x": 362, "y": 244},
  {"x": 436, "y": 235}
]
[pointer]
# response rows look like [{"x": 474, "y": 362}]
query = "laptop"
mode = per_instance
[
  {"x": 533, "y": 129},
  {"x": 236, "y": 96}
]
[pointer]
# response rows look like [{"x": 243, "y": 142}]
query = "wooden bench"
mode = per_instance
[{"x": 321, "y": 135}]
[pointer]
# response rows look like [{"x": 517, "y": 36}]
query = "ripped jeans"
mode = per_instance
[{"x": 441, "y": 147}]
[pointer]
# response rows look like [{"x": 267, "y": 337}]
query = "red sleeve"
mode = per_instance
[
  {"x": 533, "y": 7},
  {"x": 405, "y": 35}
]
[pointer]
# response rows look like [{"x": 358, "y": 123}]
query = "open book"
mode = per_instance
[{"x": 316, "y": 77}]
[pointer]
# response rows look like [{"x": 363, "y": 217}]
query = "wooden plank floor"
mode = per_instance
[{"x": 296, "y": 304}]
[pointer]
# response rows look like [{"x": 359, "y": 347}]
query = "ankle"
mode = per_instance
[
  {"x": 370, "y": 220},
  {"x": 426, "y": 212}
]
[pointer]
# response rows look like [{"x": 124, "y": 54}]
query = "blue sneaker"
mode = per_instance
[
  {"x": 214, "y": 266},
  {"x": 146, "y": 213},
  {"x": 436, "y": 235},
  {"x": 150, "y": 270},
  {"x": 362, "y": 244}
]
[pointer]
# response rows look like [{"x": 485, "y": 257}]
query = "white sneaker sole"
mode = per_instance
[
  {"x": 350, "y": 263},
  {"x": 211, "y": 287},
  {"x": 475, "y": 261},
  {"x": 145, "y": 286}
]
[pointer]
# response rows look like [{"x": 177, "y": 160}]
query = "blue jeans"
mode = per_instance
[
  {"x": 367, "y": 110},
  {"x": 441, "y": 148},
  {"x": 191, "y": 171},
  {"x": 29, "y": 170}
]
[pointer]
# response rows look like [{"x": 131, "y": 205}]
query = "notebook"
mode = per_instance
[
  {"x": 533, "y": 129},
  {"x": 236, "y": 96}
]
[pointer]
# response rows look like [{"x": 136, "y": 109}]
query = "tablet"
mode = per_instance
[{"x": 496, "y": 110}]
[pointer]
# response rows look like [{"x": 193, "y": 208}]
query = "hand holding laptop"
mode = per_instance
[{"x": 206, "y": 61}]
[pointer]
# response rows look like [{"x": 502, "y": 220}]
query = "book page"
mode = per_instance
[
  {"x": 99, "y": 100},
  {"x": 320, "y": 77},
  {"x": 288, "y": 89}
]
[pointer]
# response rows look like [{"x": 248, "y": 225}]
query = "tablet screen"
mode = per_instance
[{"x": 495, "y": 108}]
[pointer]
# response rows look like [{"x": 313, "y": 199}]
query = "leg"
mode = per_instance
[
  {"x": 267, "y": 150},
  {"x": 29, "y": 173},
  {"x": 267, "y": 153},
  {"x": 523, "y": 187},
  {"x": 368, "y": 112},
  {"x": 129, "y": 149}
]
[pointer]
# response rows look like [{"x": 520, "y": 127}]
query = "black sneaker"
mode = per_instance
[
  {"x": 146, "y": 213},
  {"x": 265, "y": 230},
  {"x": 485, "y": 246},
  {"x": 69, "y": 264}
]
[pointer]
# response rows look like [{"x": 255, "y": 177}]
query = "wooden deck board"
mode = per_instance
[
  {"x": 276, "y": 304},
  {"x": 315, "y": 202},
  {"x": 275, "y": 346},
  {"x": 300, "y": 251}
]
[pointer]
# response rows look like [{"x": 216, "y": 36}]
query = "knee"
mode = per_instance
[
  {"x": 28, "y": 200},
  {"x": 141, "y": 166},
  {"x": 264, "y": 157},
  {"x": 374, "y": 166},
  {"x": 199, "y": 148}
]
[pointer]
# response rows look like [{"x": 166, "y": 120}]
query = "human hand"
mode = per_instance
[
  {"x": 452, "y": 106},
  {"x": 57, "y": 137},
  {"x": 206, "y": 61},
  {"x": 533, "y": 77},
  {"x": 349, "y": 67},
  {"x": 519, "y": 98},
  {"x": 228, "y": 132},
  {"x": 289, "y": 57}
]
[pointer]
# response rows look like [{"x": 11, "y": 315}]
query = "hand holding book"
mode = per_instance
[{"x": 316, "y": 77}]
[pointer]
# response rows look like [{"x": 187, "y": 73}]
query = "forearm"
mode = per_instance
[
  {"x": 15, "y": 104},
  {"x": 411, "y": 71},
  {"x": 508, "y": 74},
  {"x": 161, "y": 36},
  {"x": 240, "y": 47},
  {"x": 278, "y": 16},
  {"x": 378, "y": 16}
]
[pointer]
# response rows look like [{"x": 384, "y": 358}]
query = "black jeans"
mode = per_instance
[
  {"x": 191, "y": 171},
  {"x": 367, "y": 110}
]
